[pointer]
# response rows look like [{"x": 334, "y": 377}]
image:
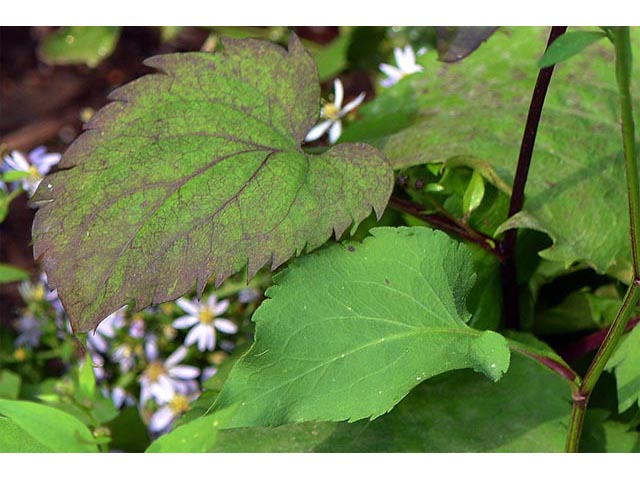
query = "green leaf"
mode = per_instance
[
  {"x": 390, "y": 111},
  {"x": 474, "y": 193},
  {"x": 73, "y": 45},
  {"x": 349, "y": 331},
  {"x": 527, "y": 411},
  {"x": 86, "y": 380},
  {"x": 568, "y": 45},
  {"x": 56, "y": 430},
  {"x": 625, "y": 365},
  {"x": 332, "y": 59},
  {"x": 600, "y": 435},
  {"x": 195, "y": 171},
  {"x": 128, "y": 432},
  {"x": 581, "y": 310},
  {"x": 197, "y": 436},
  {"x": 9, "y": 384},
  {"x": 14, "y": 175},
  {"x": 14, "y": 439},
  {"x": 10, "y": 273},
  {"x": 456, "y": 43},
  {"x": 477, "y": 108}
]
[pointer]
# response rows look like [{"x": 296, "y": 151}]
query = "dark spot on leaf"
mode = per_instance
[
  {"x": 351, "y": 248},
  {"x": 387, "y": 281},
  {"x": 419, "y": 184}
]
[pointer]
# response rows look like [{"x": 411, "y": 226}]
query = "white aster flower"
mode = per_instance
[
  {"x": 203, "y": 320},
  {"x": 38, "y": 165},
  {"x": 333, "y": 112},
  {"x": 406, "y": 61},
  {"x": 162, "y": 419},
  {"x": 163, "y": 380}
]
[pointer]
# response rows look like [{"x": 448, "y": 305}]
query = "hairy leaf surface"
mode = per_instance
[
  {"x": 350, "y": 330},
  {"x": 478, "y": 108},
  {"x": 194, "y": 171},
  {"x": 526, "y": 411}
]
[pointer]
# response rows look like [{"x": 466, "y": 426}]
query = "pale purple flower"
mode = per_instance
[
  {"x": 163, "y": 380},
  {"x": 162, "y": 419},
  {"x": 137, "y": 328},
  {"x": 51, "y": 296},
  {"x": 202, "y": 319},
  {"x": 248, "y": 295},
  {"x": 121, "y": 398},
  {"x": 30, "y": 331},
  {"x": 208, "y": 372},
  {"x": 37, "y": 166},
  {"x": 106, "y": 330},
  {"x": 124, "y": 356},
  {"x": 333, "y": 112},
  {"x": 406, "y": 65}
]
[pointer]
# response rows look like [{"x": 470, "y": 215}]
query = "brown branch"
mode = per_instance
[{"x": 446, "y": 224}]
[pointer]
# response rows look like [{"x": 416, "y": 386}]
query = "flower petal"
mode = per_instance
[
  {"x": 185, "y": 321},
  {"x": 189, "y": 306},
  {"x": 161, "y": 419},
  {"x": 317, "y": 131},
  {"x": 220, "y": 308},
  {"x": 352, "y": 104},
  {"x": 335, "y": 132},
  {"x": 184, "y": 372},
  {"x": 225, "y": 325},
  {"x": 177, "y": 356},
  {"x": 338, "y": 91}
]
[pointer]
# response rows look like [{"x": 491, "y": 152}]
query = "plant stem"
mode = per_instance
[
  {"x": 508, "y": 245},
  {"x": 447, "y": 224},
  {"x": 622, "y": 44},
  {"x": 581, "y": 399},
  {"x": 589, "y": 343}
]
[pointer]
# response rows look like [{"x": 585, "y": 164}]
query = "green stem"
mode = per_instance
[{"x": 622, "y": 45}]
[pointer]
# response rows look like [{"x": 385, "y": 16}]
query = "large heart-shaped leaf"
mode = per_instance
[
  {"x": 476, "y": 110},
  {"x": 195, "y": 171},
  {"x": 350, "y": 330}
]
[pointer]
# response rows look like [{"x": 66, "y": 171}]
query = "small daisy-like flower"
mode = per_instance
[
  {"x": 162, "y": 419},
  {"x": 333, "y": 112},
  {"x": 162, "y": 380},
  {"x": 406, "y": 61},
  {"x": 203, "y": 320},
  {"x": 38, "y": 165}
]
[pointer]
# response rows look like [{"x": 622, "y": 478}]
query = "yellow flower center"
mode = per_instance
[
  {"x": 38, "y": 293},
  {"x": 179, "y": 404},
  {"x": 20, "y": 354},
  {"x": 34, "y": 173},
  {"x": 330, "y": 111},
  {"x": 154, "y": 371},
  {"x": 206, "y": 316}
]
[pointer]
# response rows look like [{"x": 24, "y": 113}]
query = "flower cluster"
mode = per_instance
[{"x": 156, "y": 360}]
